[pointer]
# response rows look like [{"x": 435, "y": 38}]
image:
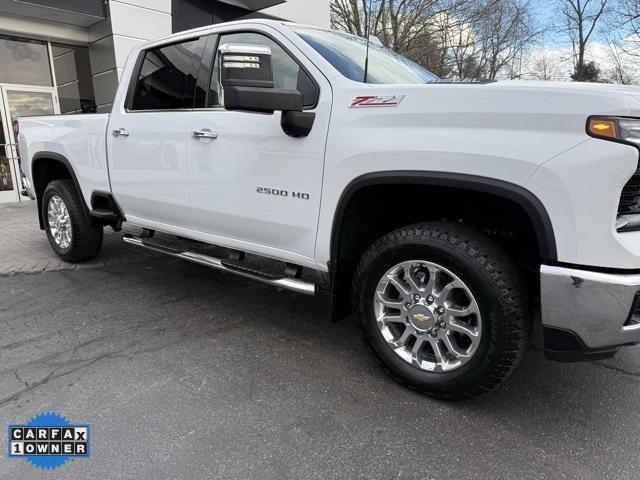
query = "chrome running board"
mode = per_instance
[{"x": 287, "y": 283}]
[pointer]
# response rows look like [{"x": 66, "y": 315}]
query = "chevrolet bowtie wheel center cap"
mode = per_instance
[{"x": 422, "y": 318}]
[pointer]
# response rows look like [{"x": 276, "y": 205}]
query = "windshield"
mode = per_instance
[{"x": 347, "y": 53}]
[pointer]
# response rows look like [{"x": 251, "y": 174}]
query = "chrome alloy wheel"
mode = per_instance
[
  {"x": 59, "y": 222},
  {"x": 428, "y": 316}
]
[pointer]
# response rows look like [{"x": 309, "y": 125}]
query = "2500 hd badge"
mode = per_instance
[{"x": 283, "y": 193}]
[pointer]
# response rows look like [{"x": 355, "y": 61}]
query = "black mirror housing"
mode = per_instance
[
  {"x": 297, "y": 124},
  {"x": 263, "y": 100}
]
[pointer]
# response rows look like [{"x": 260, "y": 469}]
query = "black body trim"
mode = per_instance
[
  {"x": 107, "y": 211},
  {"x": 532, "y": 206},
  {"x": 566, "y": 346},
  {"x": 524, "y": 198},
  {"x": 261, "y": 100},
  {"x": 58, "y": 158}
]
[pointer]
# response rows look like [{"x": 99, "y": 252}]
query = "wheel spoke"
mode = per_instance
[
  {"x": 402, "y": 340},
  {"x": 433, "y": 276},
  {"x": 453, "y": 349},
  {"x": 462, "y": 312},
  {"x": 387, "y": 319},
  {"x": 443, "y": 294},
  {"x": 460, "y": 327},
  {"x": 388, "y": 302},
  {"x": 437, "y": 350},
  {"x": 402, "y": 289},
  {"x": 411, "y": 280},
  {"x": 417, "y": 346}
]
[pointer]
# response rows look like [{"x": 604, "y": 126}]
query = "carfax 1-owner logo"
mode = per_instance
[{"x": 49, "y": 441}]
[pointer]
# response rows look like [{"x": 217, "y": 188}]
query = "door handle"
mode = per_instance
[
  {"x": 121, "y": 132},
  {"x": 205, "y": 133}
]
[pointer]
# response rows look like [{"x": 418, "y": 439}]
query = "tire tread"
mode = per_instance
[
  {"x": 86, "y": 241},
  {"x": 496, "y": 265}
]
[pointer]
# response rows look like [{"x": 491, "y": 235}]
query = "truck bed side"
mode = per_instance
[{"x": 76, "y": 141}]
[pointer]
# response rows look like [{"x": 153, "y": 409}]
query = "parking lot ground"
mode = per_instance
[
  {"x": 184, "y": 372},
  {"x": 24, "y": 247}
]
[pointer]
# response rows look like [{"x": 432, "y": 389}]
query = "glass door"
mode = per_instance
[
  {"x": 18, "y": 101},
  {"x": 9, "y": 185}
]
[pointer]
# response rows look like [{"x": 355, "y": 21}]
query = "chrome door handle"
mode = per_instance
[
  {"x": 205, "y": 133},
  {"x": 121, "y": 132}
]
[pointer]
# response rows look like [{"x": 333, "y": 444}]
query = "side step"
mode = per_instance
[{"x": 237, "y": 267}]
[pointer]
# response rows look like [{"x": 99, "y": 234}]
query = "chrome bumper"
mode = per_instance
[{"x": 597, "y": 307}]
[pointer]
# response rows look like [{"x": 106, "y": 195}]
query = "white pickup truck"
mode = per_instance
[{"x": 439, "y": 214}]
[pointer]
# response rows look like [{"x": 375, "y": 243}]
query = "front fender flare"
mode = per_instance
[{"x": 530, "y": 204}]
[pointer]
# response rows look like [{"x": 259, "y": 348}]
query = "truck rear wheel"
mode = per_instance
[
  {"x": 442, "y": 309},
  {"x": 71, "y": 236}
]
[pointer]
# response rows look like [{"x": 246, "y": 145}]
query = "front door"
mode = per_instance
[
  {"x": 18, "y": 101},
  {"x": 253, "y": 186}
]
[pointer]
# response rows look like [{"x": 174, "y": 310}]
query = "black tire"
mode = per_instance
[
  {"x": 495, "y": 283},
  {"x": 86, "y": 240}
]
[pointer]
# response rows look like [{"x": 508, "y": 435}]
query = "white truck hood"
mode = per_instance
[{"x": 567, "y": 87}]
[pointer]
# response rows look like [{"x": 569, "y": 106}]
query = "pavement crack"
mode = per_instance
[
  {"x": 20, "y": 380},
  {"x": 53, "y": 375},
  {"x": 620, "y": 370}
]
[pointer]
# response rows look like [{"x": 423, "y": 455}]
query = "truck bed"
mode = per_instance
[{"x": 78, "y": 138}]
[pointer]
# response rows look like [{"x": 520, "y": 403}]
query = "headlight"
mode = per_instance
[{"x": 617, "y": 129}]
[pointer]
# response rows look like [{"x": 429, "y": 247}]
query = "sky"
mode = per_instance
[{"x": 557, "y": 46}]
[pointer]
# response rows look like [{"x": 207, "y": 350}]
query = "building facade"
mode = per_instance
[{"x": 66, "y": 56}]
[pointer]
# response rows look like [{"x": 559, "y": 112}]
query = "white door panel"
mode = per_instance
[
  {"x": 254, "y": 184},
  {"x": 251, "y": 153},
  {"x": 149, "y": 169}
]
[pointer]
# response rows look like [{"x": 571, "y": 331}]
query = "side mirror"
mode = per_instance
[{"x": 246, "y": 76}]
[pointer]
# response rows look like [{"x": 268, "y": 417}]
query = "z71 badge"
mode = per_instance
[{"x": 376, "y": 101}]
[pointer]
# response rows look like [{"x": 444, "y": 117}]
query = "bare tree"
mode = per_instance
[
  {"x": 413, "y": 28},
  {"x": 621, "y": 70},
  {"x": 545, "y": 66},
  {"x": 464, "y": 38},
  {"x": 581, "y": 19},
  {"x": 627, "y": 24},
  {"x": 504, "y": 30}
]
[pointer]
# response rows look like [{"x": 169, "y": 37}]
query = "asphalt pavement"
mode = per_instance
[{"x": 187, "y": 373}]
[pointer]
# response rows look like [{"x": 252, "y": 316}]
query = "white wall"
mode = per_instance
[{"x": 311, "y": 12}]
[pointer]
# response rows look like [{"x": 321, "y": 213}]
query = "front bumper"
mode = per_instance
[{"x": 588, "y": 315}]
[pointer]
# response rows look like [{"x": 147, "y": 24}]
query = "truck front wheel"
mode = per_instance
[
  {"x": 442, "y": 309},
  {"x": 71, "y": 236}
]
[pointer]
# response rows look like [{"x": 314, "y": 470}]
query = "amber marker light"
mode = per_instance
[{"x": 603, "y": 128}]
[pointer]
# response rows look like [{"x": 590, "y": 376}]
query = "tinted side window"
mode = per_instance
[
  {"x": 286, "y": 71},
  {"x": 167, "y": 79}
]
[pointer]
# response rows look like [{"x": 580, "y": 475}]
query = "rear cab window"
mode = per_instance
[{"x": 167, "y": 75}]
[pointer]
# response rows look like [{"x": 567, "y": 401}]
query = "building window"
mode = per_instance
[
  {"x": 73, "y": 78},
  {"x": 24, "y": 62}
]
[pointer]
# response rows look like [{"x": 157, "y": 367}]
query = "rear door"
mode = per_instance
[
  {"x": 147, "y": 141},
  {"x": 254, "y": 187}
]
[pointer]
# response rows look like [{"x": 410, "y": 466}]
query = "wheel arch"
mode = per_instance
[
  {"x": 527, "y": 201},
  {"x": 48, "y": 166}
]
